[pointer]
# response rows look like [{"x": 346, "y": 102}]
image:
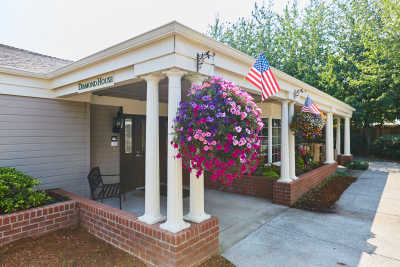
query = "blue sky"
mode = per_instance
[{"x": 73, "y": 29}]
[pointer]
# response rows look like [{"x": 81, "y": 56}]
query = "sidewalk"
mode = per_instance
[{"x": 365, "y": 231}]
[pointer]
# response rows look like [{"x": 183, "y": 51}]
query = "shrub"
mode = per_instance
[
  {"x": 387, "y": 146},
  {"x": 17, "y": 192},
  {"x": 270, "y": 174},
  {"x": 270, "y": 171},
  {"x": 357, "y": 165},
  {"x": 299, "y": 163}
]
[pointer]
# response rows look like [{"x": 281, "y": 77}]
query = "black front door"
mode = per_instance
[{"x": 132, "y": 156}]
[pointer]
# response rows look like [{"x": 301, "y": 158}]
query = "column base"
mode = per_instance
[
  {"x": 329, "y": 162},
  {"x": 151, "y": 219},
  {"x": 294, "y": 178},
  {"x": 344, "y": 158},
  {"x": 197, "y": 218},
  {"x": 174, "y": 227},
  {"x": 285, "y": 180}
]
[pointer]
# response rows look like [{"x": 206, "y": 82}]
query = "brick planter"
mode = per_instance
[
  {"x": 343, "y": 159},
  {"x": 288, "y": 193},
  {"x": 257, "y": 186},
  {"x": 38, "y": 221},
  {"x": 281, "y": 193},
  {"x": 150, "y": 243}
]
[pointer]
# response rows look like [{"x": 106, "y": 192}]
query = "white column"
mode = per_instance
[
  {"x": 152, "y": 161},
  {"x": 338, "y": 136},
  {"x": 196, "y": 211},
  {"x": 329, "y": 140},
  {"x": 270, "y": 140},
  {"x": 285, "y": 144},
  {"x": 174, "y": 221},
  {"x": 347, "y": 136},
  {"x": 292, "y": 146}
]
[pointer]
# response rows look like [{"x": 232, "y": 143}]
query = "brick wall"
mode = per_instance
[
  {"x": 257, "y": 186},
  {"x": 281, "y": 193},
  {"x": 38, "y": 221},
  {"x": 150, "y": 243},
  {"x": 288, "y": 193},
  {"x": 342, "y": 159}
]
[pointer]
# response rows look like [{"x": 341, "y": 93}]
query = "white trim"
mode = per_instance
[{"x": 174, "y": 45}]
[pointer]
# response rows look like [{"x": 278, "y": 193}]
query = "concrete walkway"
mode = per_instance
[
  {"x": 365, "y": 231},
  {"x": 238, "y": 215}
]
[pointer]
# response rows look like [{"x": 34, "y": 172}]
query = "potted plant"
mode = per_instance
[
  {"x": 308, "y": 126},
  {"x": 217, "y": 130}
]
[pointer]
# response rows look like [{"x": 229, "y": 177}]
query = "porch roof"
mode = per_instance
[{"x": 171, "y": 45}]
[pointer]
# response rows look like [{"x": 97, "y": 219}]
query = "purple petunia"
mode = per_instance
[{"x": 206, "y": 98}]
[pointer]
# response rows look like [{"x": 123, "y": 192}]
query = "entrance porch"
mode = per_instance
[{"x": 238, "y": 215}]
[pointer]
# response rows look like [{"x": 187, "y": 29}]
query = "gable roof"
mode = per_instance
[{"x": 20, "y": 59}]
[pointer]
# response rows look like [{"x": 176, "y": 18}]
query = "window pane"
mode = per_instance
[
  {"x": 128, "y": 136},
  {"x": 276, "y": 140},
  {"x": 264, "y": 140},
  {"x": 142, "y": 129}
]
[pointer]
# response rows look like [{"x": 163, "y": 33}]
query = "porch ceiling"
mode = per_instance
[{"x": 137, "y": 91}]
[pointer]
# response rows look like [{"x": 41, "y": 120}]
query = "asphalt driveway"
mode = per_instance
[{"x": 365, "y": 230}]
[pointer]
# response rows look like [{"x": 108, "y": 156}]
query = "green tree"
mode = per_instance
[{"x": 349, "y": 49}]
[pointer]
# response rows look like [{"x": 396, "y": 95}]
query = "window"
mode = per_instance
[
  {"x": 264, "y": 140},
  {"x": 128, "y": 135},
  {"x": 140, "y": 139},
  {"x": 276, "y": 140}
]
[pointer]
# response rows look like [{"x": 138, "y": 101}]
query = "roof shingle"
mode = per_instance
[{"x": 20, "y": 59}]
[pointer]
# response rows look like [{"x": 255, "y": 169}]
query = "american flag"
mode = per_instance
[
  {"x": 310, "y": 107},
  {"x": 261, "y": 76}
]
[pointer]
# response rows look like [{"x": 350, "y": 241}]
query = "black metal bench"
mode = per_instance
[{"x": 99, "y": 190}]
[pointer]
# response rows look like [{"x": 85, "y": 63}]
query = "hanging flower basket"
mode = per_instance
[
  {"x": 308, "y": 125},
  {"x": 216, "y": 130}
]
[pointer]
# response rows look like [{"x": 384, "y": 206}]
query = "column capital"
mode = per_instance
[
  {"x": 174, "y": 73},
  {"x": 195, "y": 78},
  {"x": 156, "y": 77}
]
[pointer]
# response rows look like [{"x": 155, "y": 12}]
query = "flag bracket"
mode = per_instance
[
  {"x": 298, "y": 92},
  {"x": 200, "y": 58}
]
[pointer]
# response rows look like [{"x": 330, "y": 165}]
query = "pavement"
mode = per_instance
[
  {"x": 364, "y": 230},
  {"x": 238, "y": 215}
]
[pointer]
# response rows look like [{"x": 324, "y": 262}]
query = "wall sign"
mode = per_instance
[
  {"x": 99, "y": 82},
  {"x": 114, "y": 141}
]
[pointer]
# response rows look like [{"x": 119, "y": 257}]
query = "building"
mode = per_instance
[{"x": 56, "y": 115}]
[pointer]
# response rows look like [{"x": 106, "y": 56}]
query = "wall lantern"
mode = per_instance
[{"x": 118, "y": 121}]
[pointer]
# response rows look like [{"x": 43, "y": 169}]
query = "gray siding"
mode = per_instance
[
  {"x": 47, "y": 139},
  {"x": 102, "y": 154}
]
